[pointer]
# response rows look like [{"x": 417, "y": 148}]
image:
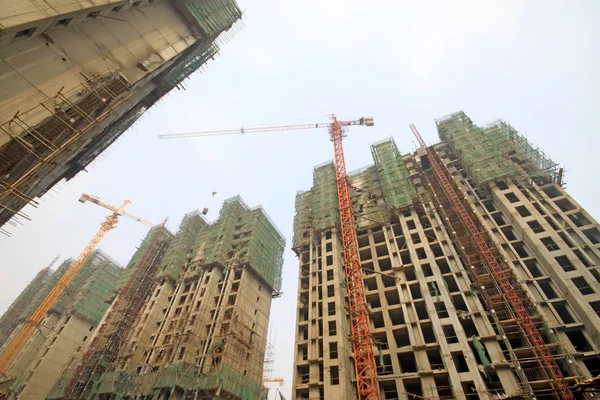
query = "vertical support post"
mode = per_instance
[{"x": 362, "y": 342}]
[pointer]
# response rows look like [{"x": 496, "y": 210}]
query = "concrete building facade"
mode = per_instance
[
  {"x": 15, "y": 314},
  {"x": 200, "y": 329},
  {"x": 439, "y": 333},
  {"x": 76, "y": 74},
  {"x": 65, "y": 328}
]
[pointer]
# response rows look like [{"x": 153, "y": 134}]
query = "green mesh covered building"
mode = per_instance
[
  {"x": 378, "y": 192},
  {"x": 200, "y": 329},
  {"x": 67, "y": 326},
  {"x": 480, "y": 273}
]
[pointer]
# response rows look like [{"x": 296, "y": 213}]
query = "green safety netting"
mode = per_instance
[
  {"x": 492, "y": 152},
  {"x": 163, "y": 241},
  {"x": 222, "y": 381},
  {"x": 89, "y": 301},
  {"x": 43, "y": 291},
  {"x": 16, "y": 312},
  {"x": 302, "y": 218},
  {"x": 387, "y": 180},
  {"x": 325, "y": 211},
  {"x": 366, "y": 192},
  {"x": 246, "y": 236},
  {"x": 181, "y": 245},
  {"x": 393, "y": 174},
  {"x": 214, "y": 16}
]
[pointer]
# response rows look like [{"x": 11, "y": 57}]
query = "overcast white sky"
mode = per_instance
[{"x": 533, "y": 63}]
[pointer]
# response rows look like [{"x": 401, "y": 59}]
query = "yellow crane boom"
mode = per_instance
[
  {"x": 278, "y": 379},
  {"x": 22, "y": 336}
]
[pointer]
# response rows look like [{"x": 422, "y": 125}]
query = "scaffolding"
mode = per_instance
[
  {"x": 490, "y": 153},
  {"x": 248, "y": 232},
  {"x": 537, "y": 360},
  {"x": 134, "y": 263},
  {"x": 80, "y": 377},
  {"x": 368, "y": 201},
  {"x": 375, "y": 190},
  {"x": 393, "y": 175},
  {"x": 302, "y": 219},
  {"x": 39, "y": 135},
  {"x": 89, "y": 302},
  {"x": 184, "y": 377},
  {"x": 190, "y": 64},
  {"x": 181, "y": 245},
  {"x": 214, "y": 16},
  {"x": 15, "y": 313},
  {"x": 325, "y": 212}
]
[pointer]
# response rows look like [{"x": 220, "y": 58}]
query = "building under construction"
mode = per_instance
[
  {"x": 76, "y": 74},
  {"x": 480, "y": 273},
  {"x": 186, "y": 319},
  {"x": 65, "y": 329}
]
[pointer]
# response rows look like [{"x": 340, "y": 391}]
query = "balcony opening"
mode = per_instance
[
  {"x": 563, "y": 312},
  {"x": 579, "y": 341},
  {"x": 396, "y": 316},
  {"x": 421, "y": 310},
  {"x": 460, "y": 362},
  {"x": 565, "y": 264},
  {"x": 413, "y": 388},
  {"x": 401, "y": 337},
  {"x": 523, "y": 212},
  {"x": 583, "y": 285},
  {"x": 428, "y": 334},
  {"x": 408, "y": 362},
  {"x": 450, "y": 334},
  {"x": 435, "y": 359},
  {"x": 535, "y": 226}
]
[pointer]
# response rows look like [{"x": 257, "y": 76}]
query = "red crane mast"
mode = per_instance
[
  {"x": 362, "y": 341},
  {"x": 524, "y": 320}
]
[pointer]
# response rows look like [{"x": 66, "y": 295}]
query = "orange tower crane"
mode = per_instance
[
  {"x": 26, "y": 330},
  {"x": 362, "y": 341},
  {"x": 278, "y": 379}
]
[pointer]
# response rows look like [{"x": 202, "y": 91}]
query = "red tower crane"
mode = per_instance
[
  {"x": 362, "y": 341},
  {"x": 524, "y": 319}
]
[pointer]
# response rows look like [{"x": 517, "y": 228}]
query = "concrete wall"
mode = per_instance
[
  {"x": 131, "y": 42},
  {"x": 210, "y": 317},
  {"x": 29, "y": 350},
  {"x": 17, "y": 14},
  {"x": 424, "y": 310},
  {"x": 70, "y": 334},
  {"x": 16, "y": 312}
]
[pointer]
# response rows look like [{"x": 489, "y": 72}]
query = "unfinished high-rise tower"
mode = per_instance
[
  {"x": 192, "y": 322},
  {"x": 76, "y": 74},
  {"x": 65, "y": 329},
  {"x": 480, "y": 273}
]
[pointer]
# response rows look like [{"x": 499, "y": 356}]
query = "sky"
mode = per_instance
[{"x": 534, "y": 64}]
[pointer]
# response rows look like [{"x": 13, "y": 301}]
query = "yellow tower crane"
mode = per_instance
[
  {"x": 20, "y": 338},
  {"x": 278, "y": 379}
]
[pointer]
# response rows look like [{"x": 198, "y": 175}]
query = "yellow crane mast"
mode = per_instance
[{"x": 20, "y": 338}]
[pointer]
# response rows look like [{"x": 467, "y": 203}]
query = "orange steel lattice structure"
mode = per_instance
[
  {"x": 25, "y": 332},
  {"x": 119, "y": 320},
  {"x": 362, "y": 341},
  {"x": 509, "y": 293}
]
